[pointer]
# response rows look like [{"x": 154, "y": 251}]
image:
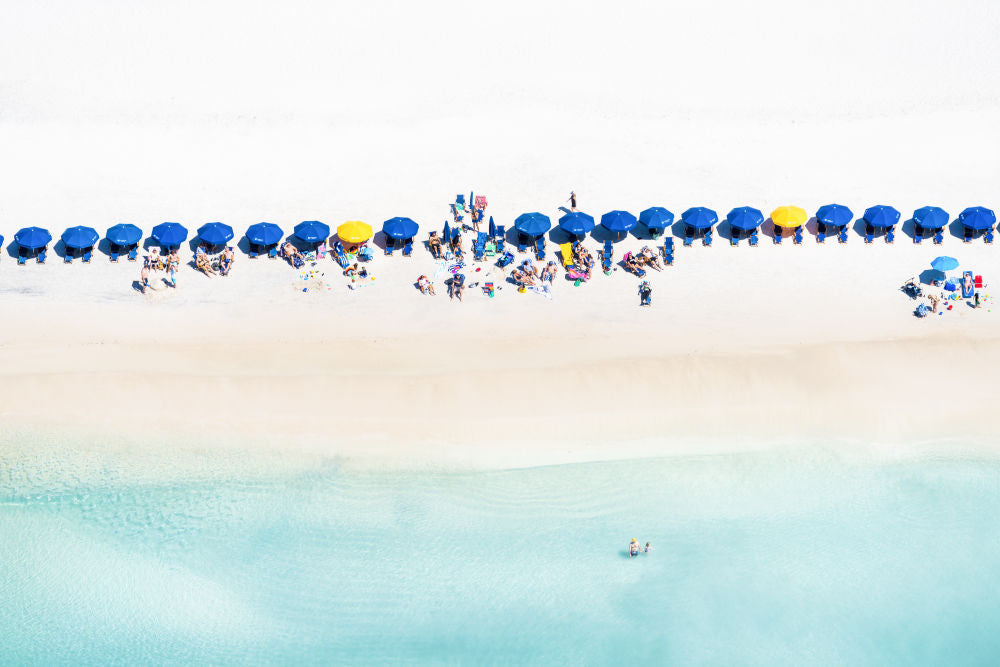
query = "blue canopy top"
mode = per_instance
[
  {"x": 834, "y": 215},
  {"x": 618, "y": 221},
  {"x": 532, "y": 224},
  {"x": 124, "y": 234},
  {"x": 931, "y": 217},
  {"x": 656, "y": 217},
  {"x": 400, "y": 228},
  {"x": 493, "y": 227},
  {"x": 577, "y": 223},
  {"x": 215, "y": 233},
  {"x": 80, "y": 237},
  {"x": 32, "y": 237},
  {"x": 700, "y": 217},
  {"x": 169, "y": 234},
  {"x": 978, "y": 218},
  {"x": 312, "y": 231},
  {"x": 881, "y": 216},
  {"x": 264, "y": 234},
  {"x": 745, "y": 218},
  {"x": 944, "y": 263}
]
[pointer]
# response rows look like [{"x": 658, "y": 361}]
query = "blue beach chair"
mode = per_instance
[
  {"x": 338, "y": 249},
  {"x": 777, "y": 235},
  {"x": 501, "y": 237},
  {"x": 408, "y": 248},
  {"x": 706, "y": 240},
  {"x": 918, "y": 237},
  {"x": 890, "y": 236},
  {"x": 41, "y": 257},
  {"x": 869, "y": 237},
  {"x": 252, "y": 251},
  {"x": 67, "y": 258},
  {"x": 988, "y": 236},
  {"x": 688, "y": 236},
  {"x": 842, "y": 235},
  {"x": 938, "y": 238},
  {"x": 273, "y": 252},
  {"x": 967, "y": 236},
  {"x": 797, "y": 239},
  {"x": 540, "y": 248},
  {"x": 86, "y": 257},
  {"x": 390, "y": 245},
  {"x": 754, "y": 239},
  {"x": 733, "y": 238},
  {"x": 606, "y": 255},
  {"x": 505, "y": 259},
  {"x": 133, "y": 253},
  {"x": 21, "y": 259},
  {"x": 821, "y": 236},
  {"x": 522, "y": 243},
  {"x": 480, "y": 248}
]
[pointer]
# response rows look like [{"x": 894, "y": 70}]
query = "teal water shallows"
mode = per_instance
[{"x": 803, "y": 557}]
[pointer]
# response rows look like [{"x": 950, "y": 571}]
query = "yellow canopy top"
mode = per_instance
[
  {"x": 354, "y": 231},
  {"x": 789, "y": 216}
]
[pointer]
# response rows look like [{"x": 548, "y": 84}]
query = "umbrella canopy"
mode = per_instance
[
  {"x": 80, "y": 237},
  {"x": 577, "y": 223},
  {"x": 699, "y": 217},
  {"x": 881, "y": 216},
  {"x": 446, "y": 232},
  {"x": 532, "y": 224},
  {"x": 944, "y": 264},
  {"x": 493, "y": 227},
  {"x": 312, "y": 231},
  {"x": 834, "y": 215},
  {"x": 215, "y": 233},
  {"x": 618, "y": 221},
  {"x": 789, "y": 217},
  {"x": 354, "y": 231},
  {"x": 32, "y": 237},
  {"x": 170, "y": 234},
  {"x": 124, "y": 234},
  {"x": 656, "y": 217},
  {"x": 745, "y": 218},
  {"x": 399, "y": 228},
  {"x": 978, "y": 218},
  {"x": 264, "y": 234},
  {"x": 931, "y": 217}
]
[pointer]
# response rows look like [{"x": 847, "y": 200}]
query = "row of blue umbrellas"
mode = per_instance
[{"x": 171, "y": 234}]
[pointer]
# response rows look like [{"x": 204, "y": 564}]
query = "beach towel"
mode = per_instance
[
  {"x": 297, "y": 262},
  {"x": 543, "y": 290},
  {"x": 968, "y": 285}
]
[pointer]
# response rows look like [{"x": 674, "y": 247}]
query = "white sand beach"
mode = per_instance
[{"x": 149, "y": 113}]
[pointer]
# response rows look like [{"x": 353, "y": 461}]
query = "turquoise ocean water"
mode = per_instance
[{"x": 793, "y": 557}]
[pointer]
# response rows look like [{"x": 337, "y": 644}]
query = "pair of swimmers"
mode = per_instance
[{"x": 634, "y": 548}]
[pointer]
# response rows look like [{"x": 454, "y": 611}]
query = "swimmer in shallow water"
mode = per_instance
[
  {"x": 648, "y": 548},
  {"x": 633, "y": 547}
]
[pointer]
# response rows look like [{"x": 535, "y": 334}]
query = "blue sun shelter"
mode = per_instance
[
  {"x": 698, "y": 221},
  {"x": 577, "y": 224},
  {"x": 31, "y": 241},
  {"x": 169, "y": 235},
  {"x": 618, "y": 223},
  {"x": 263, "y": 236},
  {"x": 656, "y": 219},
  {"x": 929, "y": 220},
  {"x": 743, "y": 221},
  {"x": 311, "y": 233},
  {"x": 530, "y": 226},
  {"x": 79, "y": 241},
  {"x": 214, "y": 235},
  {"x": 880, "y": 219},
  {"x": 976, "y": 220},
  {"x": 399, "y": 229},
  {"x": 122, "y": 237}
]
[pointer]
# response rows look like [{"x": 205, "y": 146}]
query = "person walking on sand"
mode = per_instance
[
  {"x": 572, "y": 200},
  {"x": 144, "y": 277}
]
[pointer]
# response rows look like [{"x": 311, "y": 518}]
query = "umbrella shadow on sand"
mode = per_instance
[{"x": 929, "y": 275}]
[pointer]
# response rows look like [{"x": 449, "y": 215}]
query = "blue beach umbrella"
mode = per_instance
[
  {"x": 215, "y": 233},
  {"x": 618, "y": 221},
  {"x": 699, "y": 217},
  {"x": 446, "y": 232},
  {"x": 944, "y": 263},
  {"x": 1, "y": 239},
  {"x": 881, "y": 216},
  {"x": 32, "y": 238},
  {"x": 656, "y": 217},
  {"x": 931, "y": 217},
  {"x": 169, "y": 234},
  {"x": 745, "y": 218},
  {"x": 493, "y": 228},
  {"x": 123, "y": 234},
  {"x": 532, "y": 224},
  {"x": 312, "y": 231},
  {"x": 264, "y": 234},
  {"x": 977, "y": 218},
  {"x": 834, "y": 215},
  {"x": 400, "y": 228},
  {"x": 577, "y": 223},
  {"x": 80, "y": 237}
]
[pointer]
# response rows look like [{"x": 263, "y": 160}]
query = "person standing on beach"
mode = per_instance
[
  {"x": 572, "y": 200},
  {"x": 144, "y": 277}
]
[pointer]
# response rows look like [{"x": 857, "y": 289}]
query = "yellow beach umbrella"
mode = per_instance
[
  {"x": 354, "y": 231},
  {"x": 789, "y": 216}
]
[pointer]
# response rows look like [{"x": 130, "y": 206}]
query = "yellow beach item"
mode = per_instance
[
  {"x": 566, "y": 250},
  {"x": 789, "y": 216},
  {"x": 354, "y": 231}
]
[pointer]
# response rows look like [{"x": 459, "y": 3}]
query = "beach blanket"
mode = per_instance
[{"x": 543, "y": 290}]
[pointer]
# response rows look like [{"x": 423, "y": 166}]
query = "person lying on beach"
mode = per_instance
[
  {"x": 967, "y": 284},
  {"x": 649, "y": 258},
  {"x": 425, "y": 285},
  {"x": 549, "y": 272},
  {"x": 291, "y": 253},
  {"x": 226, "y": 261},
  {"x": 434, "y": 245},
  {"x": 457, "y": 286},
  {"x": 521, "y": 279}
]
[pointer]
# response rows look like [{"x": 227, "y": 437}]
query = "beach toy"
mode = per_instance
[{"x": 576, "y": 283}]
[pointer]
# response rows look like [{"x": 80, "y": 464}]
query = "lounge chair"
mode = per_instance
[
  {"x": 505, "y": 259},
  {"x": 820, "y": 237},
  {"x": 869, "y": 237},
  {"x": 918, "y": 237},
  {"x": 938, "y": 238},
  {"x": 113, "y": 253},
  {"x": 86, "y": 257},
  {"x": 733, "y": 239},
  {"x": 480, "y": 248},
  {"x": 408, "y": 248},
  {"x": 252, "y": 252},
  {"x": 753, "y": 238},
  {"x": 501, "y": 238},
  {"x": 842, "y": 235},
  {"x": 688, "y": 238},
  {"x": 273, "y": 252},
  {"x": 706, "y": 240},
  {"x": 797, "y": 239},
  {"x": 338, "y": 248},
  {"x": 967, "y": 236},
  {"x": 390, "y": 245},
  {"x": 522, "y": 243},
  {"x": 668, "y": 246},
  {"x": 540, "y": 248},
  {"x": 890, "y": 236},
  {"x": 777, "y": 235},
  {"x": 21, "y": 259},
  {"x": 566, "y": 251},
  {"x": 41, "y": 257},
  {"x": 133, "y": 253},
  {"x": 988, "y": 236},
  {"x": 606, "y": 255},
  {"x": 67, "y": 258}
]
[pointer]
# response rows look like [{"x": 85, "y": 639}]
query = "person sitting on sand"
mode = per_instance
[
  {"x": 434, "y": 245},
  {"x": 156, "y": 262},
  {"x": 203, "y": 263},
  {"x": 351, "y": 271},
  {"x": 226, "y": 261},
  {"x": 529, "y": 268},
  {"x": 550, "y": 272},
  {"x": 456, "y": 287},
  {"x": 456, "y": 245},
  {"x": 520, "y": 279},
  {"x": 649, "y": 258},
  {"x": 632, "y": 263},
  {"x": 425, "y": 285}
]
